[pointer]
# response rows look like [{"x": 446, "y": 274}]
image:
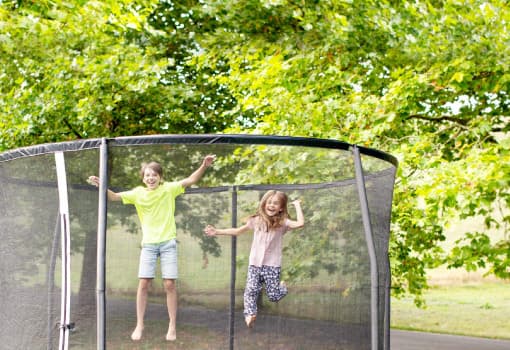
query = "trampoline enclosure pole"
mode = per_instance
[
  {"x": 101, "y": 246},
  {"x": 374, "y": 272},
  {"x": 65, "y": 312},
  {"x": 233, "y": 271},
  {"x": 50, "y": 281}
]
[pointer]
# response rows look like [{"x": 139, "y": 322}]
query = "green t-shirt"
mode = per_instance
[{"x": 156, "y": 209}]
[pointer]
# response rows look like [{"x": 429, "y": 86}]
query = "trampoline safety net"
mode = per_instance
[{"x": 57, "y": 293}]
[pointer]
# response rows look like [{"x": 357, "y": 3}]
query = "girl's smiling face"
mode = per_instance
[
  {"x": 273, "y": 206},
  {"x": 151, "y": 178}
]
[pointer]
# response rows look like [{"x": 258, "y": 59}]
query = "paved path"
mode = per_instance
[{"x": 405, "y": 340}]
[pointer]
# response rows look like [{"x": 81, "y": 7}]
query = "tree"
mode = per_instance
[
  {"x": 86, "y": 69},
  {"x": 426, "y": 81},
  {"x": 83, "y": 69}
]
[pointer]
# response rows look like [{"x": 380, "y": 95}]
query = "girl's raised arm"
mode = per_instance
[{"x": 300, "y": 220}]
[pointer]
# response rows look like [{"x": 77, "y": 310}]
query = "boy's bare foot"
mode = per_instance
[
  {"x": 137, "y": 333},
  {"x": 171, "y": 334},
  {"x": 250, "y": 320}
]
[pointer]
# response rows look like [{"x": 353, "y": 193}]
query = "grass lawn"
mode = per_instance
[
  {"x": 459, "y": 302},
  {"x": 477, "y": 309}
]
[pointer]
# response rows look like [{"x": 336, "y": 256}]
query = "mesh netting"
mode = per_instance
[{"x": 325, "y": 264}]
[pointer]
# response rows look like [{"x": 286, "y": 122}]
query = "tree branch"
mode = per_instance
[
  {"x": 483, "y": 75},
  {"x": 460, "y": 121},
  {"x": 76, "y": 133}
]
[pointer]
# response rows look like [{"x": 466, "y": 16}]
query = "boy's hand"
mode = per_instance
[
  {"x": 208, "y": 160},
  {"x": 93, "y": 180}
]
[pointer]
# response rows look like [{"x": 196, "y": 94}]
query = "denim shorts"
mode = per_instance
[{"x": 167, "y": 251}]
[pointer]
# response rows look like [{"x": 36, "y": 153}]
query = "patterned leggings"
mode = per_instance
[{"x": 257, "y": 276}]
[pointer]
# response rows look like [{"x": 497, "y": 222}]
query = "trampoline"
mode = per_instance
[{"x": 68, "y": 272}]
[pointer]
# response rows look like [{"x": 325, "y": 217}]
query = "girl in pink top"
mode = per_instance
[{"x": 269, "y": 224}]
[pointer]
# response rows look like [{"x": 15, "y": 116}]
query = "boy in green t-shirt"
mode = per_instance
[{"x": 155, "y": 205}]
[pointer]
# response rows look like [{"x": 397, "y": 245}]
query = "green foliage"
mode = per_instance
[
  {"x": 91, "y": 69},
  {"x": 425, "y": 81}
]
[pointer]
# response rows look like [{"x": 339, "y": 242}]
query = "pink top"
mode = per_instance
[{"x": 266, "y": 248}]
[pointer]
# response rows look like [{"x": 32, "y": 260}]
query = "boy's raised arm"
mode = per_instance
[
  {"x": 197, "y": 174},
  {"x": 113, "y": 196}
]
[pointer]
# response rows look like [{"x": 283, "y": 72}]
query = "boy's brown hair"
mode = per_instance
[{"x": 154, "y": 166}]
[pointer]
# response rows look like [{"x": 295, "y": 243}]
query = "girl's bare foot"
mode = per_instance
[
  {"x": 250, "y": 320},
  {"x": 137, "y": 333}
]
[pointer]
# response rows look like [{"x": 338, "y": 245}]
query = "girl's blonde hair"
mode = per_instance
[{"x": 277, "y": 220}]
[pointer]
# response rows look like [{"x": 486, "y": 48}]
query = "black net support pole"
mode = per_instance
[
  {"x": 367, "y": 226},
  {"x": 101, "y": 245},
  {"x": 387, "y": 311},
  {"x": 233, "y": 268}
]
